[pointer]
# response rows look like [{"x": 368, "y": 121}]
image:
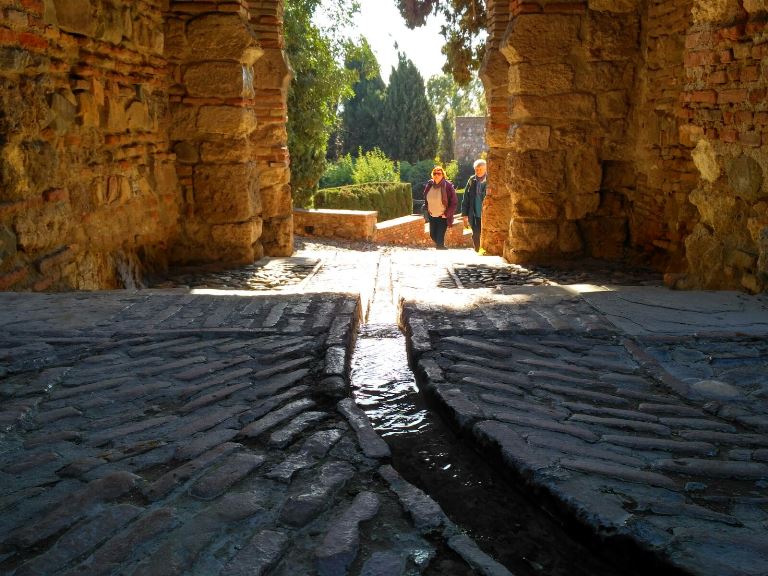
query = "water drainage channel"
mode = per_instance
[{"x": 506, "y": 523}]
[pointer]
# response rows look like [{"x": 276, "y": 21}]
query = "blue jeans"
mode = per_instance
[
  {"x": 437, "y": 228},
  {"x": 474, "y": 222}
]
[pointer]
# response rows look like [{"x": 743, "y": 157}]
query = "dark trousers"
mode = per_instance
[
  {"x": 437, "y": 228},
  {"x": 475, "y": 224}
]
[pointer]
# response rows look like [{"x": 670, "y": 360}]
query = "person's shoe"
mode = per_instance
[{"x": 441, "y": 247}]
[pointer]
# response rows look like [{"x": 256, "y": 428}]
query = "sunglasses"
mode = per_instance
[{"x": 437, "y": 172}]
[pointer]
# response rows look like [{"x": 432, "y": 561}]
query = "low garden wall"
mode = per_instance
[
  {"x": 347, "y": 224},
  {"x": 361, "y": 225}
]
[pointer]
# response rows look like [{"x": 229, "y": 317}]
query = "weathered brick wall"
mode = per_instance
[
  {"x": 140, "y": 133},
  {"x": 630, "y": 129},
  {"x": 87, "y": 179},
  {"x": 725, "y": 107}
]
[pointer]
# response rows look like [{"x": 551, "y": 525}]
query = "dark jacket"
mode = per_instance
[
  {"x": 470, "y": 192},
  {"x": 450, "y": 200}
]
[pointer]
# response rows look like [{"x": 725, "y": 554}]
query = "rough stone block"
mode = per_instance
[
  {"x": 746, "y": 178},
  {"x": 613, "y": 5},
  {"x": 612, "y": 36},
  {"x": 244, "y": 234},
  {"x": 232, "y": 121},
  {"x": 218, "y": 79},
  {"x": 541, "y": 38},
  {"x": 226, "y": 193},
  {"x": 271, "y": 71},
  {"x": 612, "y": 104},
  {"x": 705, "y": 159},
  {"x": 540, "y": 79},
  {"x": 556, "y": 106},
  {"x": 756, "y": 6},
  {"x": 584, "y": 177},
  {"x": 715, "y": 11},
  {"x": 75, "y": 16},
  {"x": 569, "y": 238},
  {"x": 524, "y": 137},
  {"x": 222, "y": 37},
  {"x": 536, "y": 172},
  {"x": 535, "y": 205},
  {"x": 533, "y": 235}
]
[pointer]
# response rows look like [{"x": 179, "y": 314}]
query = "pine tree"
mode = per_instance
[
  {"x": 361, "y": 118},
  {"x": 446, "y": 138},
  {"x": 409, "y": 129}
]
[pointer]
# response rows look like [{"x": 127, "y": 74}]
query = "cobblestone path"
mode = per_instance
[
  {"x": 212, "y": 432},
  {"x": 151, "y": 433},
  {"x": 659, "y": 437}
]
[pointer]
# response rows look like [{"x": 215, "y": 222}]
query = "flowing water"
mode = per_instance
[{"x": 512, "y": 526}]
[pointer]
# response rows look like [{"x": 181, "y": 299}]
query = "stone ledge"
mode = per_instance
[{"x": 361, "y": 225}]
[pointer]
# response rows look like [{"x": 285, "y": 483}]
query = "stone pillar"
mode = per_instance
[
  {"x": 558, "y": 86},
  {"x": 495, "y": 77},
  {"x": 227, "y": 109},
  {"x": 272, "y": 77}
]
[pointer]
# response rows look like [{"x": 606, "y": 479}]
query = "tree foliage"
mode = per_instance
[
  {"x": 447, "y": 97},
  {"x": 447, "y": 128},
  {"x": 318, "y": 85},
  {"x": 464, "y": 21},
  {"x": 362, "y": 114},
  {"x": 409, "y": 129}
]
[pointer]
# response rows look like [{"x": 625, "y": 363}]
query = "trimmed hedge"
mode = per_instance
[{"x": 390, "y": 199}]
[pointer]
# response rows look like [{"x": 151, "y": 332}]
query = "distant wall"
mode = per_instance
[{"x": 469, "y": 144}]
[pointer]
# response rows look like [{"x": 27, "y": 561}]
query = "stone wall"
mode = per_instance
[
  {"x": 629, "y": 129},
  {"x": 327, "y": 223},
  {"x": 101, "y": 177},
  {"x": 725, "y": 120},
  {"x": 469, "y": 144},
  {"x": 362, "y": 225},
  {"x": 412, "y": 231},
  {"x": 87, "y": 179}
]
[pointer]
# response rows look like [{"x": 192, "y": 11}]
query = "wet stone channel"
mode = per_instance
[{"x": 508, "y": 524}]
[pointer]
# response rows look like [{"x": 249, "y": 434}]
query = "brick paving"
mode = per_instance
[{"x": 168, "y": 432}]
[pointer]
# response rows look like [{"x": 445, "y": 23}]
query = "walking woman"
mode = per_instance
[
  {"x": 441, "y": 202},
  {"x": 472, "y": 203}
]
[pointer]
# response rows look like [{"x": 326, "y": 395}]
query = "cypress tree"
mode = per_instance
[
  {"x": 446, "y": 138},
  {"x": 409, "y": 129},
  {"x": 361, "y": 117}
]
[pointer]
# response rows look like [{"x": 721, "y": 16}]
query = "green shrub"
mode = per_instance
[
  {"x": 417, "y": 175},
  {"x": 338, "y": 173},
  {"x": 452, "y": 171},
  {"x": 390, "y": 199},
  {"x": 460, "y": 195},
  {"x": 374, "y": 166}
]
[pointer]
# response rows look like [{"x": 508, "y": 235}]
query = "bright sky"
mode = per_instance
[{"x": 380, "y": 23}]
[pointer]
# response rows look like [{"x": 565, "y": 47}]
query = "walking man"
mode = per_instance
[{"x": 472, "y": 203}]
